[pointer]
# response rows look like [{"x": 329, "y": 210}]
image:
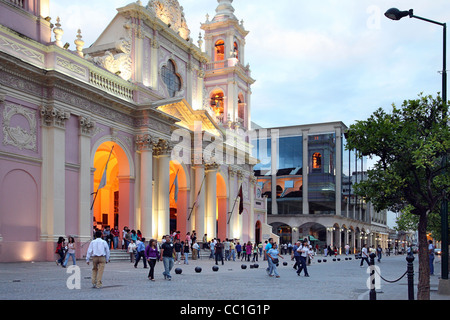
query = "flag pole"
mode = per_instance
[
  {"x": 173, "y": 183},
  {"x": 104, "y": 173},
  {"x": 199, "y": 191},
  {"x": 234, "y": 205}
]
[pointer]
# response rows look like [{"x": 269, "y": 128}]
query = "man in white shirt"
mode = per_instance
[
  {"x": 99, "y": 251},
  {"x": 303, "y": 250},
  {"x": 364, "y": 256}
]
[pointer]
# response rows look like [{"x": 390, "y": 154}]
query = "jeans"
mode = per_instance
[
  {"x": 140, "y": 254},
  {"x": 431, "y": 260},
  {"x": 67, "y": 259},
  {"x": 168, "y": 265},
  {"x": 302, "y": 266},
  {"x": 272, "y": 268},
  {"x": 151, "y": 263},
  {"x": 116, "y": 242},
  {"x": 186, "y": 255}
]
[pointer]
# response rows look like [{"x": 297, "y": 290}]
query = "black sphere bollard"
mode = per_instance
[
  {"x": 252, "y": 266},
  {"x": 256, "y": 266},
  {"x": 319, "y": 261},
  {"x": 244, "y": 266},
  {"x": 215, "y": 268},
  {"x": 410, "y": 271},
  {"x": 285, "y": 263},
  {"x": 198, "y": 269},
  {"x": 324, "y": 260},
  {"x": 373, "y": 293},
  {"x": 178, "y": 270}
]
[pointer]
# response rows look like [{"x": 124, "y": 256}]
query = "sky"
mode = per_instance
[{"x": 313, "y": 61}]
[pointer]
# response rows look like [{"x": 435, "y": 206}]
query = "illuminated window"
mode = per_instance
[
  {"x": 236, "y": 51},
  {"x": 317, "y": 160},
  {"x": 171, "y": 78},
  {"x": 217, "y": 103},
  {"x": 220, "y": 51}
]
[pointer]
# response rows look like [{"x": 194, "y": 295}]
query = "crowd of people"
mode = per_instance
[{"x": 174, "y": 249}]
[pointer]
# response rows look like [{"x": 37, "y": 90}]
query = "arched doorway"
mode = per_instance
[
  {"x": 112, "y": 187},
  {"x": 258, "y": 231},
  {"x": 222, "y": 207},
  {"x": 178, "y": 198}
]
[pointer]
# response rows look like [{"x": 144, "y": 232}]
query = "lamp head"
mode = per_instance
[{"x": 395, "y": 14}]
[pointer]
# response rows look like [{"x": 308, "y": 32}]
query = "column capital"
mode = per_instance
[
  {"x": 52, "y": 116},
  {"x": 145, "y": 142},
  {"x": 162, "y": 148},
  {"x": 87, "y": 126},
  {"x": 213, "y": 166}
]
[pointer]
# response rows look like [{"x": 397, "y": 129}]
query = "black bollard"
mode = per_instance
[
  {"x": 373, "y": 293},
  {"x": 410, "y": 271}
]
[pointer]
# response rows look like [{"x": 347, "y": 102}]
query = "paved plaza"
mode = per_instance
[{"x": 333, "y": 280}]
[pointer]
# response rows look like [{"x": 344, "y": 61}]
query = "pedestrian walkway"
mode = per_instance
[{"x": 331, "y": 280}]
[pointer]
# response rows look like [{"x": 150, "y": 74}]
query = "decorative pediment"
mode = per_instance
[
  {"x": 180, "y": 109},
  {"x": 171, "y": 13}
]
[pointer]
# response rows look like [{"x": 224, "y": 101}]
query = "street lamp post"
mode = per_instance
[{"x": 396, "y": 14}]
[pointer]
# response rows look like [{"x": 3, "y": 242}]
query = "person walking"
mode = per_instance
[
  {"x": 152, "y": 255},
  {"x": 132, "y": 250},
  {"x": 296, "y": 255},
  {"x": 99, "y": 251},
  {"x": 115, "y": 236},
  {"x": 178, "y": 250},
  {"x": 255, "y": 252},
  {"x": 248, "y": 250},
  {"x": 364, "y": 256},
  {"x": 186, "y": 248},
  {"x": 218, "y": 251},
  {"x": 379, "y": 253},
  {"x": 266, "y": 249},
  {"x": 272, "y": 257},
  {"x": 431, "y": 256},
  {"x": 60, "y": 250},
  {"x": 238, "y": 250},
  {"x": 195, "y": 250},
  {"x": 167, "y": 253},
  {"x": 140, "y": 253},
  {"x": 304, "y": 253},
  {"x": 70, "y": 252}
]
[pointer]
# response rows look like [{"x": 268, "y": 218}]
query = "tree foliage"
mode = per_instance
[{"x": 409, "y": 144}]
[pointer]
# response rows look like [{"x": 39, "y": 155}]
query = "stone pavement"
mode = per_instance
[{"x": 333, "y": 280}]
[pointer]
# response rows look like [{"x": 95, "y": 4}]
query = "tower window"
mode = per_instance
[
  {"x": 219, "y": 50},
  {"x": 171, "y": 78},
  {"x": 317, "y": 160}
]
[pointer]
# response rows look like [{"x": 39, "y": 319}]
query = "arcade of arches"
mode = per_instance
[{"x": 334, "y": 235}]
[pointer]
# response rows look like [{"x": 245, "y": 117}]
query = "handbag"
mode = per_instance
[{"x": 275, "y": 260}]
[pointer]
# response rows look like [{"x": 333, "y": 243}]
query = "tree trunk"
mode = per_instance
[{"x": 423, "y": 288}]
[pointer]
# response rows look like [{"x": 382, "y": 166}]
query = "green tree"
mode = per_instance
[{"x": 408, "y": 145}]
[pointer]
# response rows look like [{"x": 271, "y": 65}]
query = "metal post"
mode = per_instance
[
  {"x": 444, "y": 204},
  {"x": 373, "y": 293},
  {"x": 410, "y": 271}
]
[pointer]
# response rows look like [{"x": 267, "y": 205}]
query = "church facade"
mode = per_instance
[{"x": 143, "y": 129}]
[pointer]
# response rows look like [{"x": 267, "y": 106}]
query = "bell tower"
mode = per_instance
[
  {"x": 28, "y": 17},
  {"x": 227, "y": 80}
]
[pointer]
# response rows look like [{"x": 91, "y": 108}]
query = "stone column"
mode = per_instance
[
  {"x": 211, "y": 199},
  {"x": 251, "y": 220},
  {"x": 274, "y": 164},
  {"x": 162, "y": 152},
  {"x": 85, "y": 216},
  {"x": 338, "y": 167},
  {"x": 145, "y": 144},
  {"x": 305, "y": 172},
  {"x": 53, "y": 222},
  {"x": 198, "y": 211}
]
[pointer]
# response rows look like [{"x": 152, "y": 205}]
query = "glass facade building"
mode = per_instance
[{"x": 307, "y": 175}]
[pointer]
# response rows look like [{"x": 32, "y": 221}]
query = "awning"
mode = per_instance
[{"x": 312, "y": 238}]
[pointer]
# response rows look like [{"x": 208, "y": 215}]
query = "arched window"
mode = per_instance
[
  {"x": 236, "y": 51},
  {"x": 317, "y": 160},
  {"x": 219, "y": 51},
  {"x": 217, "y": 102},
  {"x": 171, "y": 78}
]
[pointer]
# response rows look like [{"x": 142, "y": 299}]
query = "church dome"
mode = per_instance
[{"x": 224, "y": 11}]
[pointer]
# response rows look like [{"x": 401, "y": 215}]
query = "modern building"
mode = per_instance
[
  {"x": 144, "y": 128},
  {"x": 307, "y": 176}
]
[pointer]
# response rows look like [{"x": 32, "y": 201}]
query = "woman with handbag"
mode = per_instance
[{"x": 273, "y": 255}]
